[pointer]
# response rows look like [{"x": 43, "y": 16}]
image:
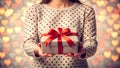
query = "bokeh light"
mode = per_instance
[{"x": 12, "y": 13}]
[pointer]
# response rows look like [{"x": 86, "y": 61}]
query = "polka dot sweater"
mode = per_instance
[{"x": 41, "y": 16}]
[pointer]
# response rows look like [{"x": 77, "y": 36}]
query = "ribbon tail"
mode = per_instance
[
  {"x": 60, "y": 47},
  {"x": 48, "y": 40},
  {"x": 69, "y": 41},
  {"x": 73, "y": 34}
]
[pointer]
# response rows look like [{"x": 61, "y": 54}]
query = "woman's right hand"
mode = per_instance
[{"x": 39, "y": 52}]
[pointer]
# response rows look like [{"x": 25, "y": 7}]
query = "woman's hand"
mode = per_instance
[
  {"x": 39, "y": 52},
  {"x": 77, "y": 55}
]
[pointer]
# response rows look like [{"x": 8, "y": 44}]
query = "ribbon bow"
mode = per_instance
[{"x": 53, "y": 34}]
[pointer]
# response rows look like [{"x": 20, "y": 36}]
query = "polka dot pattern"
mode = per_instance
[
  {"x": 59, "y": 61},
  {"x": 79, "y": 16}
]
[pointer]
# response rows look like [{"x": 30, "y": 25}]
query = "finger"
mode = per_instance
[
  {"x": 76, "y": 55},
  {"x": 49, "y": 55},
  {"x": 39, "y": 44},
  {"x": 69, "y": 54},
  {"x": 44, "y": 54},
  {"x": 40, "y": 52},
  {"x": 66, "y": 55}
]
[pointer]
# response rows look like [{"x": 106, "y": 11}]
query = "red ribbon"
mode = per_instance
[{"x": 60, "y": 34}]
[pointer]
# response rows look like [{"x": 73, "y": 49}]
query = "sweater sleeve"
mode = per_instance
[
  {"x": 89, "y": 33},
  {"x": 30, "y": 31}
]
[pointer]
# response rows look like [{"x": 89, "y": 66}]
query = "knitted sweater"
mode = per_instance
[{"x": 41, "y": 16}]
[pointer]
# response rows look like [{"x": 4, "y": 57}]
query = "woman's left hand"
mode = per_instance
[{"x": 75, "y": 55}]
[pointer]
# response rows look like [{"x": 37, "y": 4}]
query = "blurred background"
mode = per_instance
[{"x": 12, "y": 13}]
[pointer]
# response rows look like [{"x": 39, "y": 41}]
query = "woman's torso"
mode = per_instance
[{"x": 71, "y": 17}]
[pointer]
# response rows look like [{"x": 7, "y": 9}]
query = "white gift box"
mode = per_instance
[{"x": 53, "y": 46}]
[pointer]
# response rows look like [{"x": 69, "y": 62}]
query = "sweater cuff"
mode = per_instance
[{"x": 30, "y": 51}]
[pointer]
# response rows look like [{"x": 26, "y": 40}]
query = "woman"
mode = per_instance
[{"x": 64, "y": 14}]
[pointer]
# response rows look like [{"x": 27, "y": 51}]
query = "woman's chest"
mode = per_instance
[
  {"x": 55, "y": 19},
  {"x": 60, "y": 19}
]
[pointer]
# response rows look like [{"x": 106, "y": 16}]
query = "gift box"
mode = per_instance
[{"x": 59, "y": 41}]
